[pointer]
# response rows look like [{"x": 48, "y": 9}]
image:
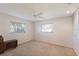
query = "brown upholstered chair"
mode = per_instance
[
  {"x": 7, "y": 44},
  {"x": 2, "y": 45}
]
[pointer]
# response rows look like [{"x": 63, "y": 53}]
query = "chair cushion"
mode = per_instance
[{"x": 1, "y": 39}]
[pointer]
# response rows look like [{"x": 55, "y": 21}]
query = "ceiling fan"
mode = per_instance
[{"x": 38, "y": 15}]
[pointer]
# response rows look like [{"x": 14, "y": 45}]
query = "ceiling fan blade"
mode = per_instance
[
  {"x": 40, "y": 17},
  {"x": 40, "y": 13}
]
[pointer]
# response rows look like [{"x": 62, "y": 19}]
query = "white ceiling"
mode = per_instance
[{"x": 48, "y": 10}]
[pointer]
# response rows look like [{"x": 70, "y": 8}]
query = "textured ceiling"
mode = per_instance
[{"x": 42, "y": 11}]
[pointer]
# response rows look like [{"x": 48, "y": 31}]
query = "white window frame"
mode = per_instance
[
  {"x": 17, "y": 27},
  {"x": 43, "y": 29}
]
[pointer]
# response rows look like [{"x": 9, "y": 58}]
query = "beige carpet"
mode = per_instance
[{"x": 37, "y": 48}]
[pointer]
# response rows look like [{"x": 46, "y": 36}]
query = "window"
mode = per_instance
[
  {"x": 17, "y": 27},
  {"x": 46, "y": 27}
]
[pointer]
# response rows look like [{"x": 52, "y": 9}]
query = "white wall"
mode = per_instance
[
  {"x": 76, "y": 32},
  {"x": 61, "y": 35},
  {"x": 62, "y": 31},
  {"x": 5, "y": 28}
]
